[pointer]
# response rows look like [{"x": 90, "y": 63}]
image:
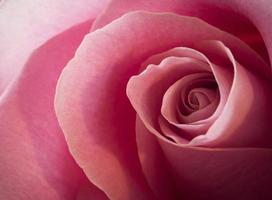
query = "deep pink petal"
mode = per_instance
[
  {"x": 234, "y": 16},
  {"x": 88, "y": 191},
  {"x": 220, "y": 173},
  {"x": 204, "y": 173},
  {"x": 154, "y": 164},
  {"x": 34, "y": 159},
  {"x": 257, "y": 12},
  {"x": 25, "y": 25}
]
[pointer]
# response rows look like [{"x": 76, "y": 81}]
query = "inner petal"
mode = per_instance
[
  {"x": 206, "y": 111},
  {"x": 153, "y": 82},
  {"x": 222, "y": 75},
  {"x": 185, "y": 97},
  {"x": 198, "y": 100},
  {"x": 146, "y": 90},
  {"x": 194, "y": 90},
  {"x": 202, "y": 96},
  {"x": 244, "y": 119}
]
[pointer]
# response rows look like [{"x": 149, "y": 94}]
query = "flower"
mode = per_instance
[{"x": 162, "y": 100}]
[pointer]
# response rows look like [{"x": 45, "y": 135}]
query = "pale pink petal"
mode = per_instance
[
  {"x": 35, "y": 161},
  {"x": 26, "y": 24}
]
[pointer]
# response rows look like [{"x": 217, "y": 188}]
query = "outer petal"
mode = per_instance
[
  {"x": 258, "y": 12},
  {"x": 96, "y": 116},
  {"x": 34, "y": 158},
  {"x": 203, "y": 173},
  {"x": 154, "y": 164},
  {"x": 26, "y": 24},
  {"x": 238, "y": 17}
]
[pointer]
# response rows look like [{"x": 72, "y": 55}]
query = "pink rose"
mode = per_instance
[{"x": 160, "y": 100}]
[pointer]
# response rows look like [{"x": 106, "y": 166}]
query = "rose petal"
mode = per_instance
[
  {"x": 204, "y": 173},
  {"x": 153, "y": 163},
  {"x": 233, "y": 16},
  {"x": 91, "y": 103},
  {"x": 171, "y": 100},
  {"x": 247, "y": 110},
  {"x": 178, "y": 136},
  {"x": 220, "y": 173},
  {"x": 25, "y": 25},
  {"x": 258, "y": 12},
  {"x": 103, "y": 57},
  {"x": 146, "y": 90},
  {"x": 223, "y": 76},
  {"x": 35, "y": 161},
  {"x": 88, "y": 191},
  {"x": 96, "y": 116}
]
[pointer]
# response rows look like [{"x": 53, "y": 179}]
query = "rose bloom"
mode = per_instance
[{"x": 135, "y": 100}]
